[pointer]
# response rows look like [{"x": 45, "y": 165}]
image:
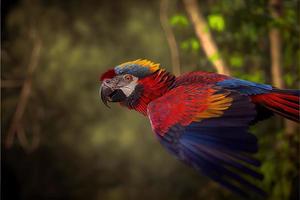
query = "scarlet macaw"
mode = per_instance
[{"x": 200, "y": 117}]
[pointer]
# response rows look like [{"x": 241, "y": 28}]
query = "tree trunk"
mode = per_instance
[
  {"x": 204, "y": 35},
  {"x": 275, "y": 46},
  {"x": 170, "y": 36},
  {"x": 276, "y": 65}
]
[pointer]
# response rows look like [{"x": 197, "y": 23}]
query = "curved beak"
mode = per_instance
[
  {"x": 111, "y": 95},
  {"x": 105, "y": 92}
]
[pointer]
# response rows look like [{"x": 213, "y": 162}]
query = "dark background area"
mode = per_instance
[{"x": 67, "y": 145}]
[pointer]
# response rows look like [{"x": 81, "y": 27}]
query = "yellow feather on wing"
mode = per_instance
[{"x": 216, "y": 105}]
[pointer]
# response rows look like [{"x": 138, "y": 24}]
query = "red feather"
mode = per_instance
[
  {"x": 161, "y": 81},
  {"x": 200, "y": 78},
  {"x": 108, "y": 74},
  {"x": 283, "y": 104},
  {"x": 154, "y": 86},
  {"x": 185, "y": 104}
]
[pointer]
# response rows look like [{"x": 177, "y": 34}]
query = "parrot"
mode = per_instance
[{"x": 202, "y": 118}]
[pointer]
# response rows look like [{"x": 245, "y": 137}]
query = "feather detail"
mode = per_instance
[
  {"x": 197, "y": 103},
  {"x": 139, "y": 68},
  {"x": 281, "y": 102},
  {"x": 216, "y": 105},
  {"x": 151, "y": 88},
  {"x": 199, "y": 77},
  {"x": 108, "y": 74},
  {"x": 220, "y": 147},
  {"x": 244, "y": 87}
]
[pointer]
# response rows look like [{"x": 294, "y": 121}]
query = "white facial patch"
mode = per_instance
[{"x": 128, "y": 89}]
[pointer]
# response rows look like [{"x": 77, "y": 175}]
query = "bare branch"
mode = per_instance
[
  {"x": 276, "y": 59},
  {"x": 25, "y": 92},
  {"x": 11, "y": 83},
  {"x": 21, "y": 135},
  {"x": 275, "y": 46},
  {"x": 204, "y": 35},
  {"x": 170, "y": 36}
]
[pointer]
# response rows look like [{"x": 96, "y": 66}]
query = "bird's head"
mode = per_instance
[{"x": 134, "y": 84}]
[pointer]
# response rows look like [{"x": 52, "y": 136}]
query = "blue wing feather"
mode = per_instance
[
  {"x": 245, "y": 87},
  {"x": 220, "y": 147},
  {"x": 214, "y": 164}
]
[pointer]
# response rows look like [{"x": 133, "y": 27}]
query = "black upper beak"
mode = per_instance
[
  {"x": 105, "y": 91},
  {"x": 109, "y": 95}
]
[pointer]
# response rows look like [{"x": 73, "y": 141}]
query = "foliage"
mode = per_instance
[
  {"x": 89, "y": 152},
  {"x": 179, "y": 20},
  {"x": 216, "y": 22}
]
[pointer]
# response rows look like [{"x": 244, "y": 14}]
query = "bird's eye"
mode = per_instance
[
  {"x": 127, "y": 77},
  {"x": 107, "y": 81}
]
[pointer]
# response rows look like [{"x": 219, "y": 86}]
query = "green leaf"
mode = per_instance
[
  {"x": 268, "y": 170},
  {"x": 255, "y": 76},
  {"x": 236, "y": 61},
  {"x": 289, "y": 79},
  {"x": 179, "y": 20},
  {"x": 190, "y": 44},
  {"x": 214, "y": 57},
  {"x": 185, "y": 45},
  {"x": 206, "y": 29},
  {"x": 249, "y": 31},
  {"x": 216, "y": 22},
  {"x": 195, "y": 44},
  {"x": 259, "y": 11}
]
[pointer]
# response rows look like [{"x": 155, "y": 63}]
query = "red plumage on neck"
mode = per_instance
[{"x": 154, "y": 86}]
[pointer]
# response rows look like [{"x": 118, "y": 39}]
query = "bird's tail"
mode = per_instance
[{"x": 282, "y": 102}]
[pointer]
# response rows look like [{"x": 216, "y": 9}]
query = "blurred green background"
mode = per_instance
[{"x": 68, "y": 145}]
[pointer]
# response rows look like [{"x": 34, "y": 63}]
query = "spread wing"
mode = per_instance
[{"x": 207, "y": 128}]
